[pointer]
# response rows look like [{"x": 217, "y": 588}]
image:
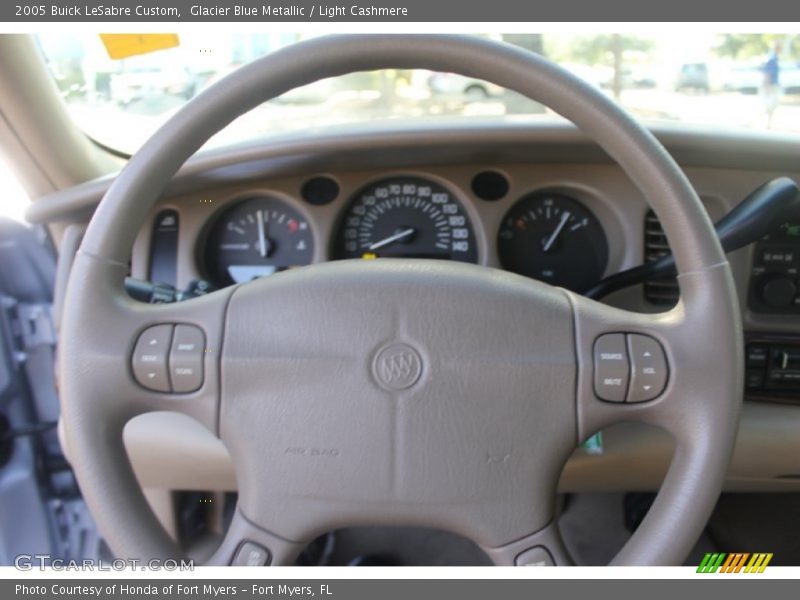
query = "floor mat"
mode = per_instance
[
  {"x": 594, "y": 530},
  {"x": 759, "y": 523}
]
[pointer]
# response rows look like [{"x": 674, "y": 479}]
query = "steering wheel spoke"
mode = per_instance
[
  {"x": 108, "y": 347},
  {"x": 696, "y": 395},
  {"x": 144, "y": 357},
  {"x": 653, "y": 368},
  {"x": 626, "y": 364},
  {"x": 175, "y": 356}
]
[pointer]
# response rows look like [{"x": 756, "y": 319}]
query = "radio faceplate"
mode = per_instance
[
  {"x": 774, "y": 282},
  {"x": 772, "y": 369}
]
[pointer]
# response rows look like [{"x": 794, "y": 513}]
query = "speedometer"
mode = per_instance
[{"x": 405, "y": 217}]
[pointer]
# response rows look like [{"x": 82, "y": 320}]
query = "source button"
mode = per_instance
[{"x": 611, "y": 367}]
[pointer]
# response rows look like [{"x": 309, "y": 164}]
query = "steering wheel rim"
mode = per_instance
[{"x": 101, "y": 324}]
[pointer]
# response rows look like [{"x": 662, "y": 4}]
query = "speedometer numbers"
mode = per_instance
[
  {"x": 405, "y": 217},
  {"x": 553, "y": 238}
]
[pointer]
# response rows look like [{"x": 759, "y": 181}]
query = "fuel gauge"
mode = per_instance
[{"x": 256, "y": 238}]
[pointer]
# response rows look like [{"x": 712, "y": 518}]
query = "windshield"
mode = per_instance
[{"x": 718, "y": 79}]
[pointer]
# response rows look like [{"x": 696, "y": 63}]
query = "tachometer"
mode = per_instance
[
  {"x": 257, "y": 237},
  {"x": 553, "y": 238},
  {"x": 408, "y": 217}
]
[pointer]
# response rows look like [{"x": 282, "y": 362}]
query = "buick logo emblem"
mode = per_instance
[{"x": 397, "y": 367}]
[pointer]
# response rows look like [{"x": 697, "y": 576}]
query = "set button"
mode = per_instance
[
  {"x": 629, "y": 367},
  {"x": 169, "y": 358}
]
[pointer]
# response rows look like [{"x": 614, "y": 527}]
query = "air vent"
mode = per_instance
[{"x": 663, "y": 291}]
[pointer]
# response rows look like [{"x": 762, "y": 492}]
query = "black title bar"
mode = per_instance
[
  {"x": 265, "y": 588},
  {"x": 352, "y": 11}
]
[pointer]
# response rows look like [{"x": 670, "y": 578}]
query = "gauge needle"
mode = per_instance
[
  {"x": 549, "y": 242},
  {"x": 392, "y": 238},
  {"x": 262, "y": 237}
]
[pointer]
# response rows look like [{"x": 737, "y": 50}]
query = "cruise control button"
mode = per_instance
[
  {"x": 251, "y": 554},
  {"x": 186, "y": 358},
  {"x": 611, "y": 368},
  {"x": 648, "y": 368},
  {"x": 149, "y": 360}
]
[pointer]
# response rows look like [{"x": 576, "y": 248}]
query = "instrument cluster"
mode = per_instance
[{"x": 546, "y": 235}]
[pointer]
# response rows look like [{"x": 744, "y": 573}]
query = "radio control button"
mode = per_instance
[
  {"x": 777, "y": 257},
  {"x": 779, "y": 292},
  {"x": 611, "y": 367},
  {"x": 757, "y": 355},
  {"x": 648, "y": 368}
]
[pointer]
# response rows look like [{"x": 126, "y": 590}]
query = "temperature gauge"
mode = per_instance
[{"x": 553, "y": 238}]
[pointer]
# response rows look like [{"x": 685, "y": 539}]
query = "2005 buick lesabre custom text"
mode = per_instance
[{"x": 101, "y": 10}]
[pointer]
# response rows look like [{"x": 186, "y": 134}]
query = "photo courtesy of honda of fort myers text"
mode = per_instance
[{"x": 482, "y": 298}]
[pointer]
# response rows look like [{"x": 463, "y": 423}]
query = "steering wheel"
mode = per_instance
[{"x": 400, "y": 392}]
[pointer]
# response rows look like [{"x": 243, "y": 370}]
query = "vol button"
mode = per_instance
[{"x": 648, "y": 368}]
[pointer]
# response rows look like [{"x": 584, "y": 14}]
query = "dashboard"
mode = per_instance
[
  {"x": 555, "y": 232},
  {"x": 541, "y": 201},
  {"x": 559, "y": 224}
]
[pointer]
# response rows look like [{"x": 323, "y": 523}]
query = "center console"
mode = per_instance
[
  {"x": 774, "y": 283},
  {"x": 772, "y": 371},
  {"x": 773, "y": 361}
]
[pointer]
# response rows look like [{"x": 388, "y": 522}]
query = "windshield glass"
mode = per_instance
[{"x": 718, "y": 79}]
